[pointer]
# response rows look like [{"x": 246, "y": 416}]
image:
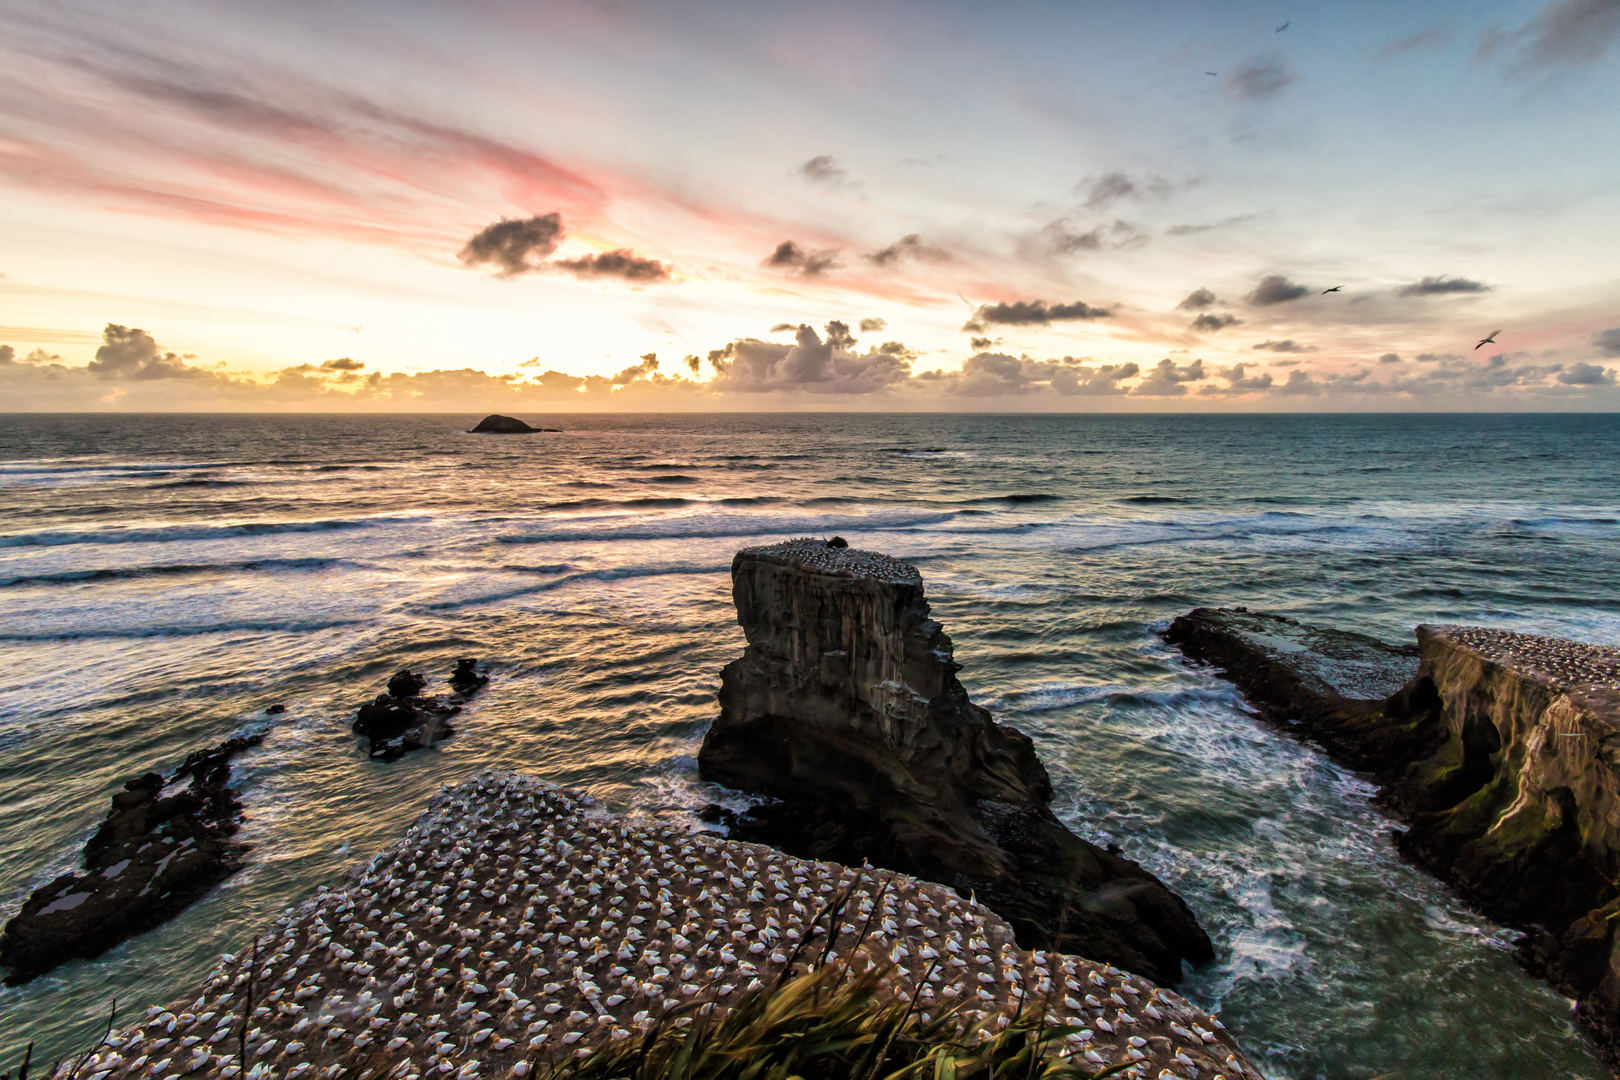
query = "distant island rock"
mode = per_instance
[
  {"x": 495, "y": 424},
  {"x": 1499, "y": 751},
  {"x": 161, "y": 847},
  {"x": 845, "y": 708}
]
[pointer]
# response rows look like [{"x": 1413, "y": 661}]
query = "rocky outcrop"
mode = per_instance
[
  {"x": 161, "y": 847},
  {"x": 1501, "y": 754},
  {"x": 846, "y": 710},
  {"x": 495, "y": 424},
  {"x": 1326, "y": 685},
  {"x": 405, "y": 719}
]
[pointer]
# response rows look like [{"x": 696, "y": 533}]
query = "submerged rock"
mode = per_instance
[
  {"x": 1501, "y": 753},
  {"x": 845, "y": 708},
  {"x": 161, "y": 848},
  {"x": 495, "y": 424},
  {"x": 405, "y": 719}
]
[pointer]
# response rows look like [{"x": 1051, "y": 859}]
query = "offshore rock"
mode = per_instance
[
  {"x": 495, "y": 424},
  {"x": 845, "y": 708},
  {"x": 159, "y": 850},
  {"x": 405, "y": 719},
  {"x": 1501, "y": 754}
]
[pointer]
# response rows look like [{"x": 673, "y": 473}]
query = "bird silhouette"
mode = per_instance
[
  {"x": 1488, "y": 341},
  {"x": 1283, "y": 27},
  {"x": 1214, "y": 73},
  {"x": 1335, "y": 288}
]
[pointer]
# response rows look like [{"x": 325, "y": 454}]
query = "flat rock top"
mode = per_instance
[
  {"x": 516, "y": 925},
  {"x": 1588, "y": 672},
  {"x": 808, "y": 553},
  {"x": 1351, "y": 665}
]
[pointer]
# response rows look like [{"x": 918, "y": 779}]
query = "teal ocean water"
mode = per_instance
[{"x": 164, "y": 579}]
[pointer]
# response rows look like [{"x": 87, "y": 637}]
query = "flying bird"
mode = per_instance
[
  {"x": 1487, "y": 341},
  {"x": 1335, "y": 288},
  {"x": 1216, "y": 74},
  {"x": 1283, "y": 27}
]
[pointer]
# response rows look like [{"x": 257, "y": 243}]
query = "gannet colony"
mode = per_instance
[{"x": 517, "y": 925}]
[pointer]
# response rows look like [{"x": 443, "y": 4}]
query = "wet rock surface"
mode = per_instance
[
  {"x": 163, "y": 845},
  {"x": 405, "y": 719},
  {"x": 1324, "y": 684},
  {"x": 517, "y": 925},
  {"x": 845, "y": 710},
  {"x": 1501, "y": 754}
]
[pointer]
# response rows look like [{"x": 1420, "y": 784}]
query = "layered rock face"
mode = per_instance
[
  {"x": 161, "y": 847},
  {"x": 1501, "y": 753},
  {"x": 845, "y": 707},
  {"x": 1520, "y": 806}
]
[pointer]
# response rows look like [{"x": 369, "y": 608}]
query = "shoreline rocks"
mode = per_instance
[
  {"x": 158, "y": 851},
  {"x": 1501, "y": 755},
  {"x": 516, "y": 925},
  {"x": 404, "y": 719},
  {"x": 845, "y": 710}
]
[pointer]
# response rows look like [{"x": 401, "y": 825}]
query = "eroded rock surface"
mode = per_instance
[
  {"x": 162, "y": 846},
  {"x": 405, "y": 719},
  {"x": 1501, "y": 754},
  {"x": 845, "y": 708}
]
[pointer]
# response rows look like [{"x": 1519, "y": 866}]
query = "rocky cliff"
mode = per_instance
[
  {"x": 1520, "y": 805},
  {"x": 845, "y": 708},
  {"x": 1501, "y": 753}
]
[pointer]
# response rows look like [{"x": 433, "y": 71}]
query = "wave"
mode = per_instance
[
  {"x": 709, "y": 526},
  {"x": 627, "y": 573},
  {"x": 199, "y": 482},
  {"x": 75, "y": 577},
  {"x": 178, "y": 533},
  {"x": 249, "y": 626},
  {"x": 1067, "y": 695},
  {"x": 1151, "y": 500}
]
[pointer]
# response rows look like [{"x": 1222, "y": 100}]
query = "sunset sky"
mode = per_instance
[{"x": 488, "y": 206}]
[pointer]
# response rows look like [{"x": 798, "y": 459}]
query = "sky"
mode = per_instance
[{"x": 1159, "y": 205}]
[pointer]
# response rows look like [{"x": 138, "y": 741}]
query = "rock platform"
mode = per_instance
[
  {"x": 162, "y": 846},
  {"x": 517, "y": 925}
]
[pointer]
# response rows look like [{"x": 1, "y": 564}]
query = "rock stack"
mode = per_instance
[{"x": 846, "y": 711}]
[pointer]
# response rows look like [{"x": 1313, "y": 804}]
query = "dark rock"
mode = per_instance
[
  {"x": 846, "y": 710},
  {"x": 495, "y": 424},
  {"x": 405, "y": 719},
  {"x": 467, "y": 680},
  {"x": 1501, "y": 753},
  {"x": 838, "y": 542},
  {"x": 161, "y": 847},
  {"x": 276, "y": 709},
  {"x": 1328, "y": 685}
]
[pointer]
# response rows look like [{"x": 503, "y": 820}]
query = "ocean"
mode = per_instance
[{"x": 165, "y": 579}]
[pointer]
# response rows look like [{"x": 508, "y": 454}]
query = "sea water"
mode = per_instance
[{"x": 163, "y": 580}]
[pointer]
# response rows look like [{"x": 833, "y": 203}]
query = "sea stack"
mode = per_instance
[{"x": 846, "y": 710}]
